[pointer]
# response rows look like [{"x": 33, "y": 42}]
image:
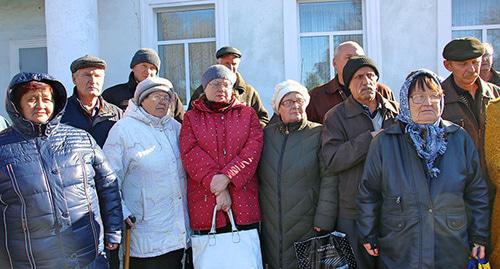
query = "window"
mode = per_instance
[
  {"x": 28, "y": 56},
  {"x": 322, "y": 26},
  {"x": 480, "y": 19},
  {"x": 186, "y": 45}
]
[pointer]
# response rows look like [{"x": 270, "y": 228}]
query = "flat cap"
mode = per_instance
[
  {"x": 87, "y": 61},
  {"x": 462, "y": 49},
  {"x": 228, "y": 50}
]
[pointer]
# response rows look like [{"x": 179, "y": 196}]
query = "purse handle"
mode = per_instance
[{"x": 231, "y": 219}]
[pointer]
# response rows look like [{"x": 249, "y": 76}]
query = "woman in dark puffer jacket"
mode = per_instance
[{"x": 59, "y": 199}]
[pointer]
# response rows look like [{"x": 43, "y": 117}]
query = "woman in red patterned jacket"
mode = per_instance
[{"x": 221, "y": 142}]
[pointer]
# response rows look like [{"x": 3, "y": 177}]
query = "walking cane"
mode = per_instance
[{"x": 126, "y": 256}]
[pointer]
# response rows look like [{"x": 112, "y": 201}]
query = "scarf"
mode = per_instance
[
  {"x": 218, "y": 106},
  {"x": 429, "y": 139}
]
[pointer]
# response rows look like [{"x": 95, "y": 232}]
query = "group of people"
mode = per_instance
[{"x": 412, "y": 184}]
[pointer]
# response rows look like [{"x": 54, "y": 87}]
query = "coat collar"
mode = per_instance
[
  {"x": 291, "y": 127},
  {"x": 105, "y": 109},
  {"x": 451, "y": 95},
  {"x": 353, "y": 108},
  {"x": 240, "y": 85}
]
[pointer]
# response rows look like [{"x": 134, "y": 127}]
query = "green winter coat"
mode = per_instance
[{"x": 295, "y": 193}]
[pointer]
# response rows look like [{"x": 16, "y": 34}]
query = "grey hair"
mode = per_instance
[
  {"x": 352, "y": 43},
  {"x": 488, "y": 48}
]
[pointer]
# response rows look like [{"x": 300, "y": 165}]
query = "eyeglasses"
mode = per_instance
[
  {"x": 158, "y": 98},
  {"x": 221, "y": 84},
  {"x": 420, "y": 98},
  {"x": 289, "y": 103}
]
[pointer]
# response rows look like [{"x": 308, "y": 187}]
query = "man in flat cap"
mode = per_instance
[
  {"x": 328, "y": 95},
  {"x": 347, "y": 132},
  {"x": 145, "y": 63},
  {"x": 465, "y": 93},
  {"x": 245, "y": 93},
  {"x": 86, "y": 109},
  {"x": 488, "y": 73}
]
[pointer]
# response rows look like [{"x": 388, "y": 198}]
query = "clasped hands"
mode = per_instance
[{"x": 218, "y": 186}]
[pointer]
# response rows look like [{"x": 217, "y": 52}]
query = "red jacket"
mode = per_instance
[{"x": 230, "y": 143}]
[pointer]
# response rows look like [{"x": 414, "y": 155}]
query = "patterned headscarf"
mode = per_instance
[{"x": 434, "y": 142}]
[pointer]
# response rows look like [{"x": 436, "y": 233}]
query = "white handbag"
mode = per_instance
[{"x": 232, "y": 250}]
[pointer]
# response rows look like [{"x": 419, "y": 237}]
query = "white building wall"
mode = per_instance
[
  {"x": 409, "y": 38},
  {"x": 256, "y": 28},
  {"x": 19, "y": 20}
]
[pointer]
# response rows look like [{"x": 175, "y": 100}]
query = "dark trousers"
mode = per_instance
[
  {"x": 170, "y": 260},
  {"x": 113, "y": 258},
  {"x": 363, "y": 259}
]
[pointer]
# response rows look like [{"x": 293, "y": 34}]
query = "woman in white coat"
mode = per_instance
[{"x": 143, "y": 149}]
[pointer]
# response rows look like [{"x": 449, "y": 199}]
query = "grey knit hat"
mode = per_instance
[
  {"x": 217, "y": 71},
  {"x": 354, "y": 64},
  {"x": 87, "y": 61},
  {"x": 146, "y": 55},
  {"x": 150, "y": 85}
]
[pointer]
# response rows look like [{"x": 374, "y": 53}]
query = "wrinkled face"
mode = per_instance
[
  {"x": 363, "y": 84},
  {"x": 219, "y": 90},
  {"x": 425, "y": 103},
  {"x": 37, "y": 105},
  {"x": 486, "y": 62},
  {"x": 230, "y": 61},
  {"x": 157, "y": 103},
  {"x": 344, "y": 53},
  {"x": 292, "y": 107},
  {"x": 143, "y": 71},
  {"x": 89, "y": 82},
  {"x": 466, "y": 72}
]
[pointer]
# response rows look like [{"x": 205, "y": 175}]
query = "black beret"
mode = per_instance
[
  {"x": 462, "y": 49},
  {"x": 87, "y": 61},
  {"x": 353, "y": 64},
  {"x": 228, "y": 50}
]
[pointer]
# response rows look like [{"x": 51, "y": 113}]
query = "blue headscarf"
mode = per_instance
[{"x": 434, "y": 143}]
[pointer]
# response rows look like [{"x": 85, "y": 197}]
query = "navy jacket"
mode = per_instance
[{"x": 59, "y": 198}]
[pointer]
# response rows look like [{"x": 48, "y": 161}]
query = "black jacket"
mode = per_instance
[
  {"x": 99, "y": 125},
  {"x": 421, "y": 222},
  {"x": 119, "y": 95},
  {"x": 59, "y": 197}
]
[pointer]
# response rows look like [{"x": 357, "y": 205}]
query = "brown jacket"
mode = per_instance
[
  {"x": 457, "y": 111},
  {"x": 346, "y": 137},
  {"x": 328, "y": 95},
  {"x": 246, "y": 94}
]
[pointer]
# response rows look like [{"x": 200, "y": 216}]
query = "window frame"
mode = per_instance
[
  {"x": 16, "y": 45},
  {"x": 371, "y": 35},
  {"x": 149, "y": 27}
]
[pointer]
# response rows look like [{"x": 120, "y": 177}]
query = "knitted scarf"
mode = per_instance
[{"x": 429, "y": 139}]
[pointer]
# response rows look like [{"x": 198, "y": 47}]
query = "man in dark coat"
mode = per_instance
[
  {"x": 328, "y": 95},
  {"x": 488, "y": 73},
  {"x": 348, "y": 130},
  {"x": 59, "y": 197},
  {"x": 86, "y": 109},
  {"x": 466, "y": 94},
  {"x": 144, "y": 64},
  {"x": 245, "y": 93}
]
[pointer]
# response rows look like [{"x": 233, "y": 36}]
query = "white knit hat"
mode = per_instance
[
  {"x": 287, "y": 86},
  {"x": 149, "y": 85}
]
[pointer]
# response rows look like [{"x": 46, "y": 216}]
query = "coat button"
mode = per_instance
[
  {"x": 55, "y": 171},
  {"x": 65, "y": 215},
  {"x": 430, "y": 210}
]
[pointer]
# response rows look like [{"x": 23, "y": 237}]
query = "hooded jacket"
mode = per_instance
[
  {"x": 58, "y": 195},
  {"x": 144, "y": 152}
]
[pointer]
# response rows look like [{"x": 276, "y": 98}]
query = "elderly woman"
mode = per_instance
[
  {"x": 492, "y": 156},
  {"x": 421, "y": 178},
  {"x": 221, "y": 142},
  {"x": 143, "y": 149},
  {"x": 58, "y": 195},
  {"x": 295, "y": 192}
]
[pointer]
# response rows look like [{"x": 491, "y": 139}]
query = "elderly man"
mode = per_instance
[
  {"x": 245, "y": 93},
  {"x": 487, "y": 72},
  {"x": 86, "y": 109},
  {"x": 145, "y": 63},
  {"x": 328, "y": 95},
  {"x": 465, "y": 93},
  {"x": 347, "y": 132}
]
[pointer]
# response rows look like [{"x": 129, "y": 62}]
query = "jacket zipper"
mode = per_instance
[
  {"x": 280, "y": 216},
  {"x": 24, "y": 222},
  {"x": 6, "y": 233},
  {"x": 89, "y": 205}
]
